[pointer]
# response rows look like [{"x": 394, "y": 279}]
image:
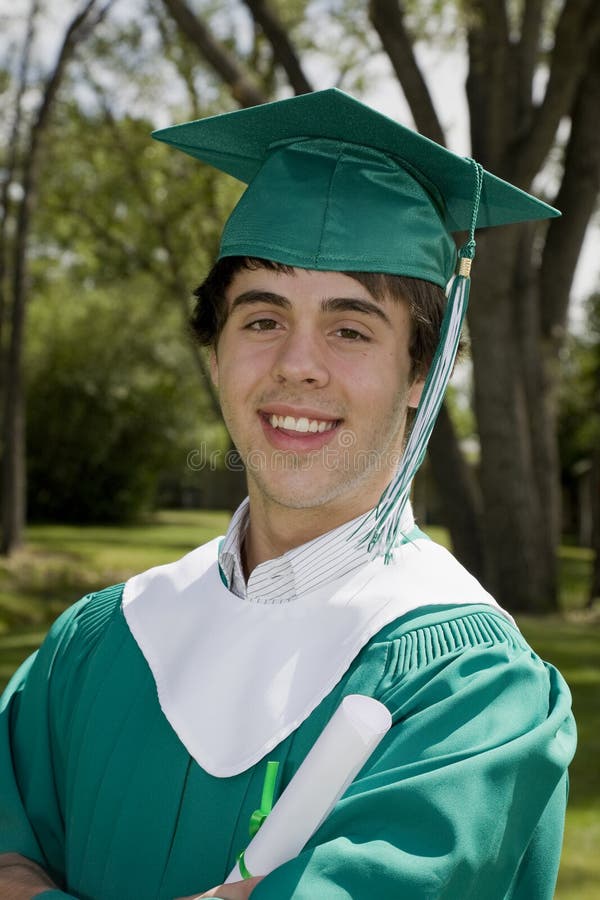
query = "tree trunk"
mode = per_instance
[
  {"x": 459, "y": 494},
  {"x": 594, "y": 596},
  {"x": 515, "y": 385},
  {"x": 521, "y": 572},
  {"x": 13, "y": 455},
  {"x": 13, "y": 431},
  {"x": 541, "y": 412},
  {"x": 8, "y": 177},
  {"x": 13, "y": 425}
]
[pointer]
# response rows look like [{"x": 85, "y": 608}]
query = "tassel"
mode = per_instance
[{"x": 385, "y": 529}]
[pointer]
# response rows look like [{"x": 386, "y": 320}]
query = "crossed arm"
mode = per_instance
[{"x": 22, "y": 879}]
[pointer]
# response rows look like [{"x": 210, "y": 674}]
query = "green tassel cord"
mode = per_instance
[{"x": 385, "y": 523}]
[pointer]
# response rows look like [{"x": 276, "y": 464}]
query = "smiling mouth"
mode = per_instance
[{"x": 302, "y": 425}]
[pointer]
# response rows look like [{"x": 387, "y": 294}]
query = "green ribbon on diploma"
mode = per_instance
[
  {"x": 259, "y": 815},
  {"x": 242, "y": 866},
  {"x": 266, "y": 801}
]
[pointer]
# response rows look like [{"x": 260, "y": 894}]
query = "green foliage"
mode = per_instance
[
  {"x": 127, "y": 204},
  {"x": 579, "y": 425},
  {"x": 337, "y": 36},
  {"x": 115, "y": 399},
  {"x": 113, "y": 403},
  {"x": 461, "y": 412},
  {"x": 5, "y": 80}
]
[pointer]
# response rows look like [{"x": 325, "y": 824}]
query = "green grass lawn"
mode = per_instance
[
  {"x": 574, "y": 647},
  {"x": 61, "y": 563}
]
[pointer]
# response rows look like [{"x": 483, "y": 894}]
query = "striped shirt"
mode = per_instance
[{"x": 319, "y": 562}]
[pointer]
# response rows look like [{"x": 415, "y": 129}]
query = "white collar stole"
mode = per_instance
[{"x": 225, "y": 667}]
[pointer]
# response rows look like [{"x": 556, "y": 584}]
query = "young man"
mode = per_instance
[{"x": 135, "y": 745}]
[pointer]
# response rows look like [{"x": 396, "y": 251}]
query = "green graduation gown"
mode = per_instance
[{"x": 465, "y": 797}]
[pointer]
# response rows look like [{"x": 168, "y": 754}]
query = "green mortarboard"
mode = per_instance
[{"x": 334, "y": 185}]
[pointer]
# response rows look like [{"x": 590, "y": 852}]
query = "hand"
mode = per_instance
[
  {"x": 21, "y": 878},
  {"x": 237, "y": 890}
]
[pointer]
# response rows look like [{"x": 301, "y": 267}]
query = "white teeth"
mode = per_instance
[{"x": 302, "y": 424}]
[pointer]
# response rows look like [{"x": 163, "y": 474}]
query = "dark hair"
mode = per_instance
[{"x": 426, "y": 303}]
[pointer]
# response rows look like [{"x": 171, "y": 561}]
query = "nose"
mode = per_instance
[{"x": 301, "y": 359}]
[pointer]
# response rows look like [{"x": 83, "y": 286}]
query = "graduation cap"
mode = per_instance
[{"x": 334, "y": 185}]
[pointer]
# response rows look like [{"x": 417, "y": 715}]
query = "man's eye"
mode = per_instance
[
  {"x": 350, "y": 334},
  {"x": 262, "y": 325}
]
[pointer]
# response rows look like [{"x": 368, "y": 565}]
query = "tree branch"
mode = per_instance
[
  {"x": 185, "y": 62},
  {"x": 577, "y": 200},
  {"x": 78, "y": 30},
  {"x": 243, "y": 87},
  {"x": 490, "y": 82},
  {"x": 577, "y": 31},
  {"x": 387, "y": 17},
  {"x": 527, "y": 57},
  {"x": 283, "y": 49}
]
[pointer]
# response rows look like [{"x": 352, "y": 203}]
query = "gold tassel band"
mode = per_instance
[{"x": 464, "y": 266}]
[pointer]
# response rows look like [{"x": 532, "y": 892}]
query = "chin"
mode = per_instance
[
  {"x": 298, "y": 499},
  {"x": 305, "y": 494}
]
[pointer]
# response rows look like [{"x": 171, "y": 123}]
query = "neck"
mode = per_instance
[{"x": 274, "y": 529}]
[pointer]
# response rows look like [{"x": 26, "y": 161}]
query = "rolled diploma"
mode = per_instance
[{"x": 336, "y": 758}]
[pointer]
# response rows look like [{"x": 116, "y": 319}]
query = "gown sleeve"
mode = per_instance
[
  {"x": 31, "y": 814},
  {"x": 465, "y": 797}
]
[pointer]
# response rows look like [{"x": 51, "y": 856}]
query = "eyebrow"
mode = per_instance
[
  {"x": 328, "y": 305},
  {"x": 247, "y": 298}
]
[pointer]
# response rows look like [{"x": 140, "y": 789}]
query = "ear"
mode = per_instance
[
  {"x": 214, "y": 367},
  {"x": 414, "y": 393}
]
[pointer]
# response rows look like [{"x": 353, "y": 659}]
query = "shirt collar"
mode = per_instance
[
  {"x": 326, "y": 558},
  {"x": 230, "y": 551}
]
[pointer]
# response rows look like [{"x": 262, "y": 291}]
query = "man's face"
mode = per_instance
[{"x": 314, "y": 381}]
